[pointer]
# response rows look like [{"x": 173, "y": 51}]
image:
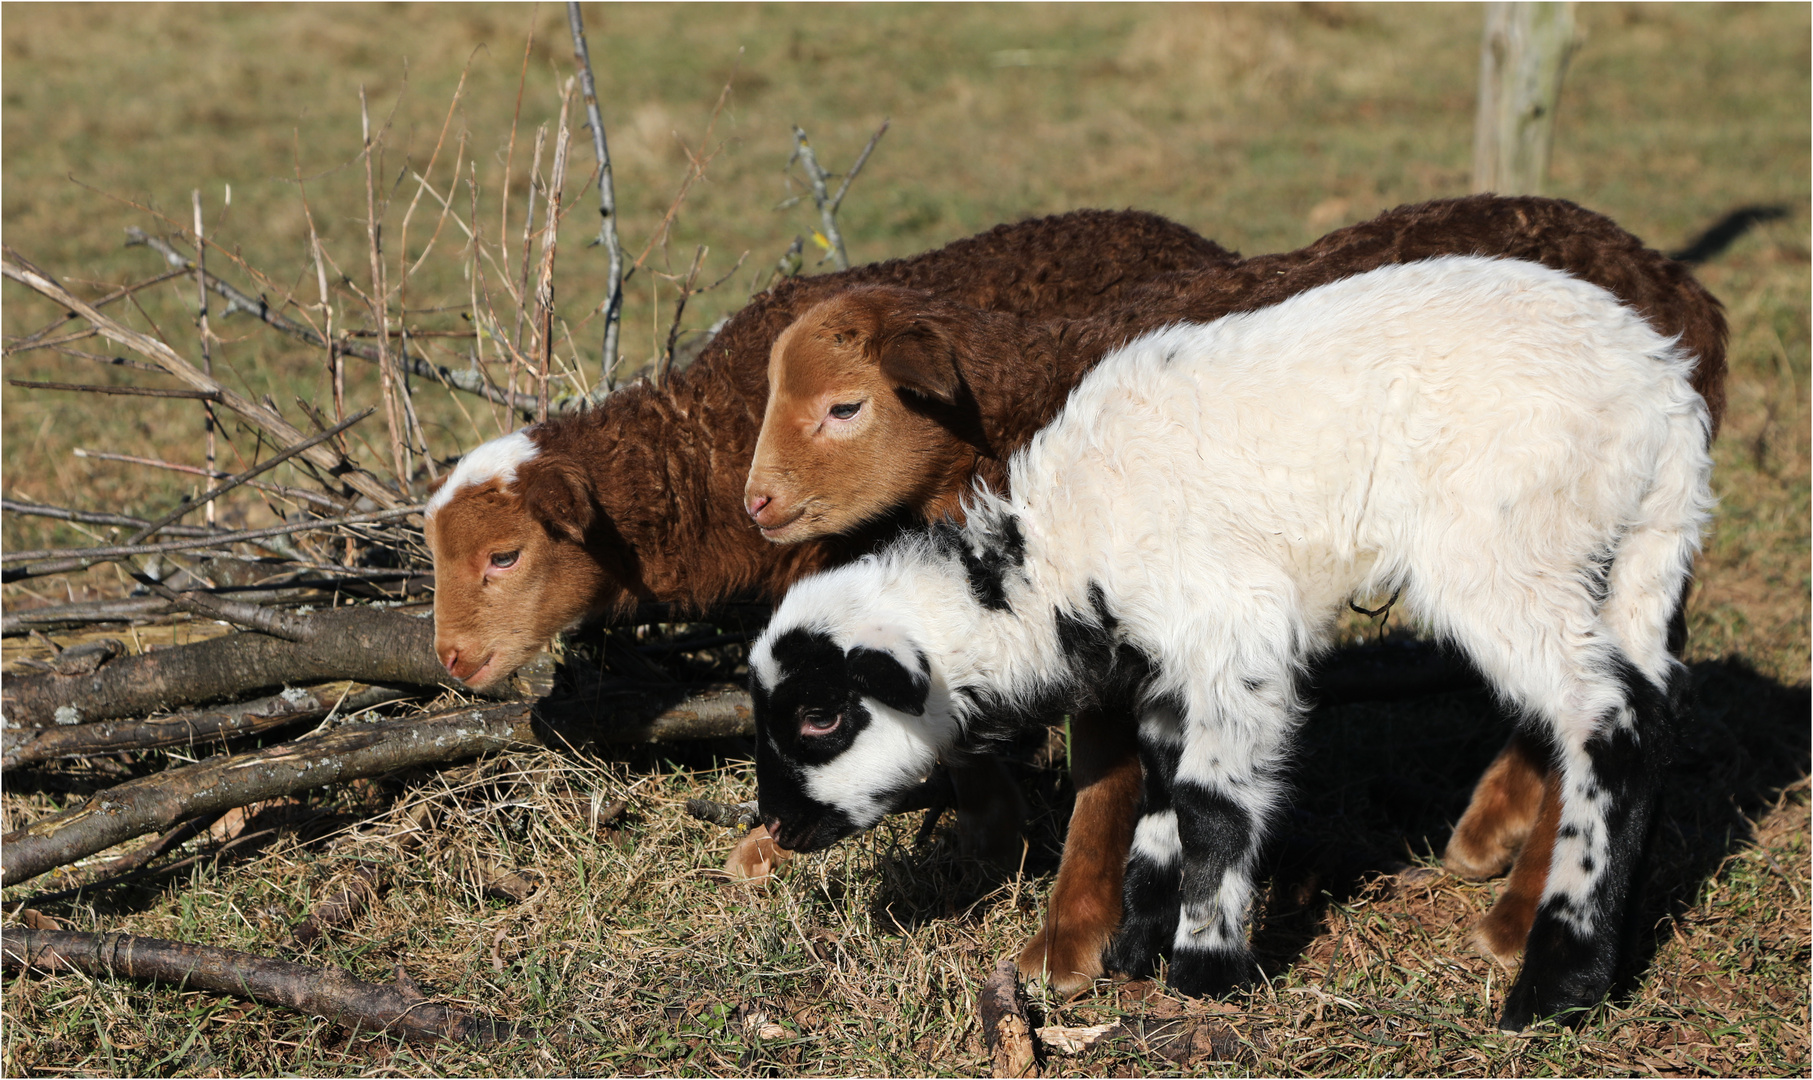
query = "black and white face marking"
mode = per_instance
[{"x": 841, "y": 733}]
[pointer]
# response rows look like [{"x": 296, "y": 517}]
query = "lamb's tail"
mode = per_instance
[{"x": 1654, "y": 558}]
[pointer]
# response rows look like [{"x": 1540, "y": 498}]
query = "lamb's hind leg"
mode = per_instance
[
  {"x": 1085, "y": 905},
  {"x": 1610, "y": 777},
  {"x": 1612, "y": 726},
  {"x": 1504, "y": 808}
]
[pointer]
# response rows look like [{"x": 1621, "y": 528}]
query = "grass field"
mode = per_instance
[{"x": 1261, "y": 127}]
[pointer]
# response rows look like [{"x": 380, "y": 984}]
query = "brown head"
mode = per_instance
[
  {"x": 511, "y": 568},
  {"x": 865, "y": 415}
]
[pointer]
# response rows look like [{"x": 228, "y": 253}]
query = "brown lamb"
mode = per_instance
[{"x": 884, "y": 401}]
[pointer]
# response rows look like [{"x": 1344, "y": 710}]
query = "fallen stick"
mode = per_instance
[
  {"x": 94, "y": 518},
  {"x": 1005, "y": 1028},
  {"x": 152, "y": 803},
  {"x": 396, "y": 1009},
  {"x": 303, "y": 590},
  {"x": 363, "y": 644},
  {"x": 20, "y": 747}
]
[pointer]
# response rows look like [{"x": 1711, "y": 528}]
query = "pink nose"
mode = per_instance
[
  {"x": 755, "y": 503},
  {"x": 451, "y": 661}
]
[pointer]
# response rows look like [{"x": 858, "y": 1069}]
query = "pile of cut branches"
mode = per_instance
[{"x": 298, "y": 584}]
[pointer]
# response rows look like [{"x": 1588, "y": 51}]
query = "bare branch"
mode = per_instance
[
  {"x": 209, "y": 423},
  {"x": 35, "y": 340},
  {"x": 367, "y": 644},
  {"x": 620, "y": 715},
  {"x": 30, "y": 746},
  {"x": 397, "y": 1009},
  {"x": 89, "y": 517},
  {"x": 234, "y": 481},
  {"x": 827, "y": 203},
  {"x": 316, "y": 498},
  {"x": 861, "y": 160},
  {"x": 550, "y": 240},
  {"x": 673, "y": 329},
  {"x": 607, "y": 199},
  {"x": 265, "y": 620},
  {"x": 126, "y": 391}
]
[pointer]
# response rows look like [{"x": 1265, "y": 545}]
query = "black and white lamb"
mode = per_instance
[{"x": 1515, "y": 454}]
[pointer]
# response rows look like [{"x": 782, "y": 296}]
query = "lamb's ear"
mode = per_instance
[
  {"x": 879, "y": 674},
  {"x": 438, "y": 482},
  {"x": 918, "y": 353},
  {"x": 556, "y": 494}
]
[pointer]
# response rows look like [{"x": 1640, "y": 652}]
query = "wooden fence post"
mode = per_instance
[{"x": 1522, "y": 59}]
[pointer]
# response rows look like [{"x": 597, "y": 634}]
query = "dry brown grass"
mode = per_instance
[{"x": 631, "y": 953}]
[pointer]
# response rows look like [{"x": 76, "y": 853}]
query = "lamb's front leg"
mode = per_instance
[
  {"x": 1219, "y": 826},
  {"x": 1223, "y": 792}
]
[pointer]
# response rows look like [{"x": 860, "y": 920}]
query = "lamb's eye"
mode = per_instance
[
  {"x": 845, "y": 411},
  {"x": 819, "y": 723},
  {"x": 503, "y": 560}
]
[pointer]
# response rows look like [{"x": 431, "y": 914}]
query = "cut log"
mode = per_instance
[
  {"x": 365, "y": 644},
  {"x": 397, "y": 1009}
]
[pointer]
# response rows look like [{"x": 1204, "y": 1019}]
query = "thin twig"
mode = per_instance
[
  {"x": 673, "y": 329},
  {"x": 314, "y": 498},
  {"x": 126, "y": 391},
  {"x": 379, "y": 301},
  {"x": 550, "y": 237},
  {"x": 234, "y": 481},
  {"x": 607, "y": 199},
  {"x": 528, "y": 235},
  {"x": 237, "y": 301},
  {"x": 81, "y": 558},
  {"x": 207, "y": 347},
  {"x": 34, "y": 340},
  {"x": 90, "y": 517}
]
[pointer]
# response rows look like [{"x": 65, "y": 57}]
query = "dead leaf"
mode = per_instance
[
  {"x": 37, "y": 920},
  {"x": 513, "y": 886}
]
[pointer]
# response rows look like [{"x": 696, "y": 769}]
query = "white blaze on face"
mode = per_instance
[{"x": 496, "y": 460}]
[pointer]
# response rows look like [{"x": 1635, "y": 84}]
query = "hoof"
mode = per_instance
[
  {"x": 1063, "y": 965},
  {"x": 1208, "y": 974}
]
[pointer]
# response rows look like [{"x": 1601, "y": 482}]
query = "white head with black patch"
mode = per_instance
[{"x": 842, "y": 725}]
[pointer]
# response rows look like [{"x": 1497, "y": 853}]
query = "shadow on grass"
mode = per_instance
[{"x": 1378, "y": 785}]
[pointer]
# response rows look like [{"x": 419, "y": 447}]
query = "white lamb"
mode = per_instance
[{"x": 1515, "y": 454}]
